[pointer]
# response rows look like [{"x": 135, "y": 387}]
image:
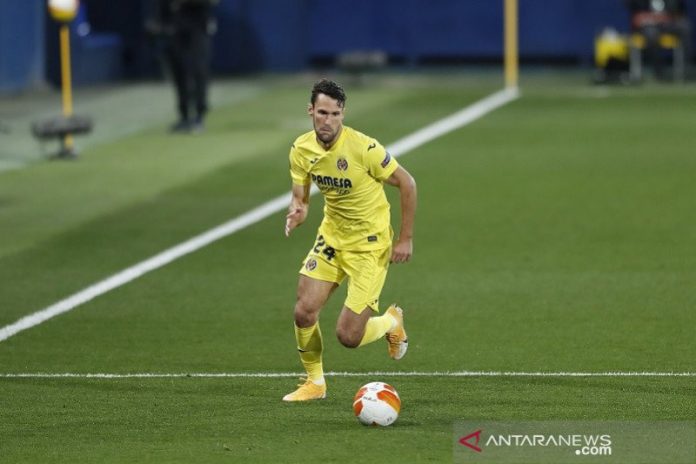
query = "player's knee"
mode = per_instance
[
  {"x": 348, "y": 338},
  {"x": 305, "y": 314}
]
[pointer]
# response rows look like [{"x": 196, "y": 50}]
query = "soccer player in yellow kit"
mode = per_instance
[{"x": 354, "y": 239}]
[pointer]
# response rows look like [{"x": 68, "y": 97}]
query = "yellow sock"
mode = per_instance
[
  {"x": 310, "y": 346},
  {"x": 376, "y": 327}
]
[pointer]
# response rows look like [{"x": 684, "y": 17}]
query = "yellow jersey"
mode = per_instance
[{"x": 349, "y": 176}]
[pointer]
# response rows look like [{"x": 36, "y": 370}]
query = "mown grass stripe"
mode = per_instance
[{"x": 401, "y": 147}]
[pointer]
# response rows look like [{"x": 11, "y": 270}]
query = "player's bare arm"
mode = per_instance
[
  {"x": 298, "y": 209},
  {"x": 403, "y": 248}
]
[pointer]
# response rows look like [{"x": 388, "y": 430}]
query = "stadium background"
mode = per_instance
[
  {"x": 277, "y": 35},
  {"x": 555, "y": 240}
]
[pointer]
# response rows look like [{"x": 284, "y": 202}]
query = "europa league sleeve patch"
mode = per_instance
[{"x": 386, "y": 160}]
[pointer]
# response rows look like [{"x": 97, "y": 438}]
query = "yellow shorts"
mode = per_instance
[{"x": 366, "y": 272}]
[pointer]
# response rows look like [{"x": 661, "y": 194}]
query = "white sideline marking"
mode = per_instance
[
  {"x": 400, "y": 147},
  {"x": 214, "y": 375}
]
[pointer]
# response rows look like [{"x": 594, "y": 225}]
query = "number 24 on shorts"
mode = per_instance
[{"x": 322, "y": 247}]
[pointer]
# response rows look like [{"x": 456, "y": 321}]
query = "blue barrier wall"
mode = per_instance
[
  {"x": 261, "y": 34},
  {"x": 421, "y": 30},
  {"x": 21, "y": 44},
  {"x": 286, "y": 35}
]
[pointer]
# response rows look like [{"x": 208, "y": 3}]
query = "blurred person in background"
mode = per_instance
[
  {"x": 652, "y": 18},
  {"x": 186, "y": 27}
]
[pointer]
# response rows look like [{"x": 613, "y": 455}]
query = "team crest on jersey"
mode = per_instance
[
  {"x": 386, "y": 160},
  {"x": 311, "y": 264},
  {"x": 342, "y": 164}
]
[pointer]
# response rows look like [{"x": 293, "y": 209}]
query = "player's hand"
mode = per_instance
[
  {"x": 294, "y": 218},
  {"x": 402, "y": 251}
]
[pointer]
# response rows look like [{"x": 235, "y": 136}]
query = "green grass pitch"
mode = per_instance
[{"x": 556, "y": 234}]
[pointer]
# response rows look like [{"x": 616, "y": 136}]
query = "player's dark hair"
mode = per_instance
[{"x": 330, "y": 89}]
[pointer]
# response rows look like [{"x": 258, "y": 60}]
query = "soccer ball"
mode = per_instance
[
  {"x": 63, "y": 10},
  {"x": 377, "y": 403}
]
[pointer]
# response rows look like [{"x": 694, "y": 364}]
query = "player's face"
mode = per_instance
[{"x": 327, "y": 118}]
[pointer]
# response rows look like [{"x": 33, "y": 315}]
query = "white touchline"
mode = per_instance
[
  {"x": 400, "y": 147},
  {"x": 380, "y": 374}
]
